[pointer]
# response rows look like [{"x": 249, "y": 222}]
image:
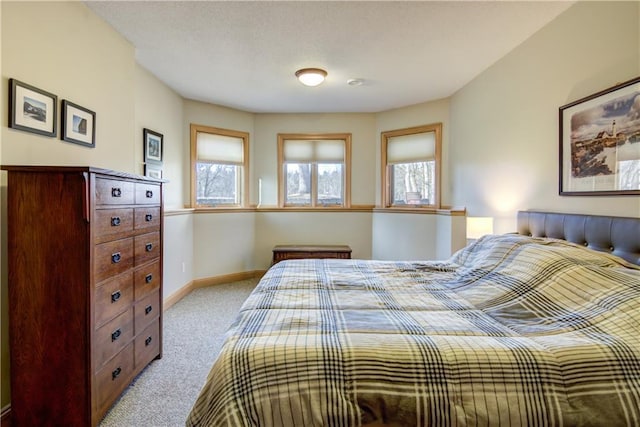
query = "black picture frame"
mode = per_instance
[
  {"x": 78, "y": 124},
  {"x": 600, "y": 143},
  {"x": 153, "y": 146},
  {"x": 32, "y": 109}
]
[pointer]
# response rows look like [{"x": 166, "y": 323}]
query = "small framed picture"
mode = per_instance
[
  {"x": 152, "y": 146},
  {"x": 78, "y": 124},
  {"x": 32, "y": 109},
  {"x": 153, "y": 170}
]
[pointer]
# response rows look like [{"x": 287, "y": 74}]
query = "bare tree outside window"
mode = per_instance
[{"x": 216, "y": 184}]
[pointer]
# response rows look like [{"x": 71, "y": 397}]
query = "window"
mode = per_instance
[
  {"x": 219, "y": 167},
  {"x": 314, "y": 170},
  {"x": 411, "y": 166}
]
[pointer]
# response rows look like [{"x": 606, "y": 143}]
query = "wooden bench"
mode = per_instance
[{"x": 282, "y": 252}]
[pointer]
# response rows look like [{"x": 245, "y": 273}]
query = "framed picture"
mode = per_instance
[
  {"x": 153, "y": 170},
  {"x": 152, "y": 146},
  {"x": 600, "y": 143},
  {"x": 78, "y": 124},
  {"x": 32, "y": 109}
]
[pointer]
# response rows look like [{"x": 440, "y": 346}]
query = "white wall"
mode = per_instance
[
  {"x": 223, "y": 243},
  {"x": 504, "y": 138},
  {"x": 178, "y": 244},
  {"x": 321, "y": 228},
  {"x": 406, "y": 236}
]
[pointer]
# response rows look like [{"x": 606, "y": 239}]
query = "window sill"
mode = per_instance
[
  {"x": 426, "y": 210},
  {"x": 358, "y": 208}
]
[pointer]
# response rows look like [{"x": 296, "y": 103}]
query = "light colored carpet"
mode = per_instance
[{"x": 194, "y": 328}]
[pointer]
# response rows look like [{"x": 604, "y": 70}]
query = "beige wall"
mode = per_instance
[
  {"x": 504, "y": 141},
  {"x": 67, "y": 50},
  {"x": 159, "y": 109}
]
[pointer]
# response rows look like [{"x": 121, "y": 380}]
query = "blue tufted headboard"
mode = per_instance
[{"x": 617, "y": 235}]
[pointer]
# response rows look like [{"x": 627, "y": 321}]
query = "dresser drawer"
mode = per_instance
[
  {"x": 113, "y": 297},
  {"x": 110, "y": 223},
  {"x": 147, "y": 310},
  {"x": 147, "y": 247},
  {"x": 146, "y": 279},
  {"x": 112, "y": 337},
  {"x": 114, "y": 192},
  {"x": 147, "y": 217},
  {"x": 147, "y": 344},
  {"x": 113, "y": 258},
  {"x": 147, "y": 194},
  {"x": 112, "y": 379}
]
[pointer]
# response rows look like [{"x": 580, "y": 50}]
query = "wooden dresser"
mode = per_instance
[{"x": 85, "y": 289}]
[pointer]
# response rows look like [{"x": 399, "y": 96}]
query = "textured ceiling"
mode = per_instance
[{"x": 244, "y": 54}]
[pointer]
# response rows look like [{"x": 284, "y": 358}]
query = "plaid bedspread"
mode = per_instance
[{"x": 510, "y": 331}]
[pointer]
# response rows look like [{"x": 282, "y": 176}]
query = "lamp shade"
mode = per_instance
[
  {"x": 311, "y": 76},
  {"x": 479, "y": 226}
]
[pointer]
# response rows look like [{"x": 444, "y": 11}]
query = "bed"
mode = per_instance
[{"x": 534, "y": 328}]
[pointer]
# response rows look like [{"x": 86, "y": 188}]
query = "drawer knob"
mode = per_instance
[
  {"x": 149, "y": 194},
  {"x": 116, "y": 373},
  {"x": 115, "y": 296},
  {"x": 148, "y": 278},
  {"x": 149, "y": 247},
  {"x": 115, "y": 334},
  {"x": 147, "y": 341},
  {"x": 115, "y": 221},
  {"x": 147, "y": 310},
  {"x": 116, "y": 192},
  {"x": 148, "y": 217},
  {"x": 115, "y": 258}
]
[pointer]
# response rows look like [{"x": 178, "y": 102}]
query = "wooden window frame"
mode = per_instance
[
  {"x": 386, "y": 169},
  {"x": 346, "y": 137},
  {"x": 244, "y": 186}
]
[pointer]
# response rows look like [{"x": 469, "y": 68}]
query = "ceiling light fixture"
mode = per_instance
[
  {"x": 311, "y": 76},
  {"x": 355, "y": 82}
]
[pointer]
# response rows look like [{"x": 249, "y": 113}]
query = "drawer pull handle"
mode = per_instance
[
  {"x": 149, "y": 247},
  {"x": 115, "y": 221},
  {"x": 116, "y": 334},
  {"x": 148, "y": 278},
  {"x": 115, "y": 296},
  {"x": 147, "y": 341},
  {"x": 115, "y": 374},
  {"x": 147, "y": 310},
  {"x": 148, "y": 217},
  {"x": 149, "y": 194},
  {"x": 115, "y": 258},
  {"x": 116, "y": 192}
]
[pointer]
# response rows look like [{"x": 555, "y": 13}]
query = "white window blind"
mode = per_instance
[
  {"x": 219, "y": 148},
  {"x": 417, "y": 147},
  {"x": 306, "y": 151}
]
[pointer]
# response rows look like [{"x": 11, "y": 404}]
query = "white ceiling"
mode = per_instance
[{"x": 243, "y": 54}]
